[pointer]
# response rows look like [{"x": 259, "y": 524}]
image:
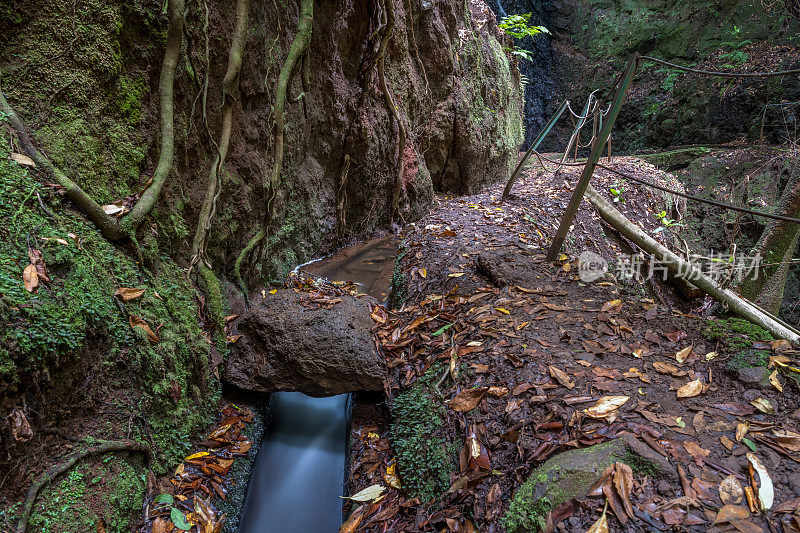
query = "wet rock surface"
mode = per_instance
[
  {"x": 572, "y": 474},
  {"x": 754, "y": 376},
  {"x": 292, "y": 341},
  {"x": 506, "y": 268}
]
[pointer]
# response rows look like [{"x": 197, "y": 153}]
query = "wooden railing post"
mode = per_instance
[{"x": 594, "y": 156}]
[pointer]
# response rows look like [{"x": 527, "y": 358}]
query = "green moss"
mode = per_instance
[
  {"x": 72, "y": 324},
  {"x": 527, "y": 513},
  {"x": 217, "y": 306},
  {"x": 638, "y": 464},
  {"x": 749, "y": 359},
  {"x": 735, "y": 333},
  {"x": 424, "y": 458},
  {"x": 130, "y": 92},
  {"x": 109, "y": 487},
  {"x": 563, "y": 477},
  {"x": 66, "y": 76},
  {"x": 672, "y": 158}
]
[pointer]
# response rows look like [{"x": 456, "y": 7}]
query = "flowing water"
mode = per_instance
[{"x": 298, "y": 476}]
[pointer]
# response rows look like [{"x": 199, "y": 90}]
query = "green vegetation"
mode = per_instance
[
  {"x": 424, "y": 458},
  {"x": 565, "y": 476},
  {"x": 82, "y": 100},
  {"x": 736, "y": 57},
  {"x": 670, "y": 77},
  {"x": 667, "y": 223},
  {"x": 73, "y": 501},
  {"x": 72, "y": 326},
  {"x": 519, "y": 27},
  {"x": 749, "y": 359},
  {"x": 735, "y": 333}
]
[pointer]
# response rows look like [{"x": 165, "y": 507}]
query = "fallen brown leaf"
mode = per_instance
[
  {"x": 20, "y": 427},
  {"x": 731, "y": 512},
  {"x": 606, "y": 406},
  {"x": 468, "y": 399},
  {"x": 30, "y": 278},
  {"x": 137, "y": 322},
  {"x": 562, "y": 377},
  {"x": 691, "y": 389},
  {"x": 730, "y": 491},
  {"x": 127, "y": 293}
]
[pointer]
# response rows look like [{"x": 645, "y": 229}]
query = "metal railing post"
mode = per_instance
[
  {"x": 534, "y": 146},
  {"x": 594, "y": 156}
]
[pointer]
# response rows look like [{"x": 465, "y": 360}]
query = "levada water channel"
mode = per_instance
[{"x": 299, "y": 474}]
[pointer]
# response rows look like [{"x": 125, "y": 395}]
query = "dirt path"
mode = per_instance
[{"x": 539, "y": 347}]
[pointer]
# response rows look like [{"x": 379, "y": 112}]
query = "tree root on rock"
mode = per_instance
[
  {"x": 52, "y": 473},
  {"x": 166, "y": 90},
  {"x": 230, "y": 85},
  {"x": 300, "y": 45},
  {"x": 341, "y": 197},
  {"x": 398, "y": 189},
  {"x": 108, "y": 225}
]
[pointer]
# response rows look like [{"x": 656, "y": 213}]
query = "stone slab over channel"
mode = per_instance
[{"x": 288, "y": 344}]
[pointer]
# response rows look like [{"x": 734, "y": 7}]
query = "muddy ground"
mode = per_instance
[{"x": 481, "y": 308}]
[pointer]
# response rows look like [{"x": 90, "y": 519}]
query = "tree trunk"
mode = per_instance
[
  {"x": 776, "y": 247},
  {"x": 680, "y": 268}
]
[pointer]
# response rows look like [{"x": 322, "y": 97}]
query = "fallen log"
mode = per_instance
[{"x": 685, "y": 270}]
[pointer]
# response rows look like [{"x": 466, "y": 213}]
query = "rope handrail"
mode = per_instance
[
  {"x": 722, "y": 74},
  {"x": 581, "y": 117},
  {"x": 677, "y": 193}
]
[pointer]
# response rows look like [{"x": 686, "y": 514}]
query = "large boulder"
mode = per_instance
[{"x": 292, "y": 343}]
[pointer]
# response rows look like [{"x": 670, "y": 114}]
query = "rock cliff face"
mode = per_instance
[
  {"x": 591, "y": 40},
  {"x": 85, "y": 77}
]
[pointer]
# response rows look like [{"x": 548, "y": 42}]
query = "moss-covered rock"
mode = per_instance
[
  {"x": 69, "y": 74},
  {"x": 69, "y": 346},
  {"x": 571, "y": 474},
  {"x": 737, "y": 334},
  {"x": 108, "y": 489}
]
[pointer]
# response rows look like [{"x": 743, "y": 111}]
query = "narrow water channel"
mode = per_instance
[{"x": 298, "y": 476}]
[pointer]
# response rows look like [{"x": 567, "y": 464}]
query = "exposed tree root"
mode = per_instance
[
  {"x": 108, "y": 225},
  {"x": 49, "y": 475},
  {"x": 299, "y": 47},
  {"x": 297, "y": 50},
  {"x": 341, "y": 197},
  {"x": 230, "y": 85},
  {"x": 166, "y": 93},
  {"x": 416, "y": 50},
  {"x": 237, "y": 266},
  {"x": 387, "y": 31}
]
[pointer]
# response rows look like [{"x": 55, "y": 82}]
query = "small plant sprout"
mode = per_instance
[
  {"x": 616, "y": 193},
  {"x": 666, "y": 222}
]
